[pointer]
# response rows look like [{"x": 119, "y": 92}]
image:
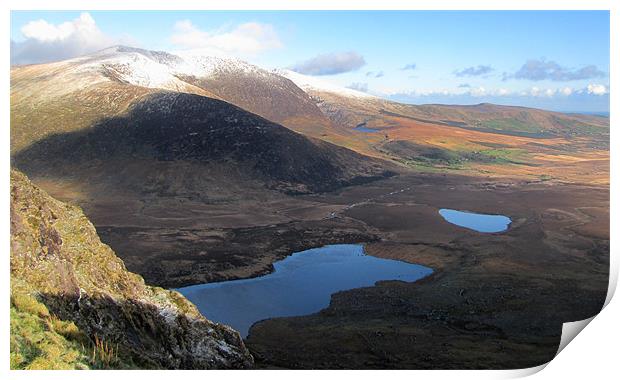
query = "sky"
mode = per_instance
[{"x": 556, "y": 60}]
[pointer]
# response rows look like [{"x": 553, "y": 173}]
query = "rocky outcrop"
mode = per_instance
[{"x": 58, "y": 258}]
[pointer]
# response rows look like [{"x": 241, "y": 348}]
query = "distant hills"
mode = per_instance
[{"x": 75, "y": 94}]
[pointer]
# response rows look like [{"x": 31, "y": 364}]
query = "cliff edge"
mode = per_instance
[{"x": 75, "y": 305}]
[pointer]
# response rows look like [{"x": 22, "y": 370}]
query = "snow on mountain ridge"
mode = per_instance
[
  {"x": 310, "y": 83},
  {"x": 163, "y": 70},
  {"x": 158, "y": 69}
]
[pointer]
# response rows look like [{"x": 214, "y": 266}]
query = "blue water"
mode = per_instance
[
  {"x": 300, "y": 285},
  {"x": 361, "y": 128},
  {"x": 477, "y": 222}
]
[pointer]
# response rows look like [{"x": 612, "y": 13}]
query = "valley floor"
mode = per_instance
[{"x": 494, "y": 301}]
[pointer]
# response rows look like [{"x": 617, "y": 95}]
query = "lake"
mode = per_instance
[
  {"x": 477, "y": 222},
  {"x": 300, "y": 285},
  {"x": 363, "y": 128}
]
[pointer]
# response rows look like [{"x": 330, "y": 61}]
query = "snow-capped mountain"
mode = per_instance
[
  {"x": 158, "y": 69},
  {"x": 248, "y": 86},
  {"x": 102, "y": 111}
]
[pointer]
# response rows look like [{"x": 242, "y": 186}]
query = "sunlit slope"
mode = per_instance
[
  {"x": 74, "y": 94},
  {"x": 482, "y": 139},
  {"x": 74, "y": 305}
]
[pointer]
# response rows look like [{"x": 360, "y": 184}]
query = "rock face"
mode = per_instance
[{"x": 57, "y": 256}]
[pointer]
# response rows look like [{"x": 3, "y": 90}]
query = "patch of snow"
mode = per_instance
[
  {"x": 157, "y": 69},
  {"x": 307, "y": 82},
  {"x": 204, "y": 66}
]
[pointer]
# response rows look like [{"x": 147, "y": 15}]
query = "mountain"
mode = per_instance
[
  {"x": 106, "y": 82},
  {"x": 352, "y": 108},
  {"x": 160, "y": 106},
  {"x": 147, "y": 155},
  {"x": 171, "y": 128},
  {"x": 74, "y": 305},
  {"x": 483, "y": 139}
]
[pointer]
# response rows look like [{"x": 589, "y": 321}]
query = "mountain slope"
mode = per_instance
[
  {"x": 351, "y": 108},
  {"x": 259, "y": 91},
  {"x": 178, "y": 127},
  {"x": 46, "y": 96},
  {"x": 62, "y": 275}
]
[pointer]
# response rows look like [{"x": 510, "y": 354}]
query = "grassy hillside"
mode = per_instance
[
  {"x": 41, "y": 340},
  {"x": 74, "y": 305}
]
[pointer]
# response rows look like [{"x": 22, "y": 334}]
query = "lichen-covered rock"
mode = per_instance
[{"x": 56, "y": 252}]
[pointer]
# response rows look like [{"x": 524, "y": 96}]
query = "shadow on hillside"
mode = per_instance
[{"x": 178, "y": 127}]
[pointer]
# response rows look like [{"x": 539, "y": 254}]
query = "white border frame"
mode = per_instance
[{"x": 592, "y": 355}]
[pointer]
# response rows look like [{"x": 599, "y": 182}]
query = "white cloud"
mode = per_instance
[
  {"x": 330, "y": 64},
  {"x": 597, "y": 89},
  {"x": 542, "y": 92},
  {"x": 484, "y": 92},
  {"x": 46, "y": 42},
  {"x": 478, "y": 91},
  {"x": 247, "y": 39},
  {"x": 357, "y": 86}
]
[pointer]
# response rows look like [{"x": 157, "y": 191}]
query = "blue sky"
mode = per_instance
[{"x": 548, "y": 59}]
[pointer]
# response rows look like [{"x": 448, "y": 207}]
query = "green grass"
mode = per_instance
[
  {"x": 581, "y": 128},
  {"x": 442, "y": 160},
  {"x": 510, "y": 125},
  {"x": 40, "y": 340},
  {"x": 512, "y": 156}
]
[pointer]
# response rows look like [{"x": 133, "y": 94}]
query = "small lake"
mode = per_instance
[
  {"x": 363, "y": 128},
  {"x": 477, "y": 222},
  {"x": 300, "y": 285}
]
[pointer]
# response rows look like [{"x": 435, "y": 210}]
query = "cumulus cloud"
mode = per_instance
[
  {"x": 597, "y": 89},
  {"x": 330, "y": 64},
  {"x": 46, "y": 42},
  {"x": 246, "y": 39},
  {"x": 478, "y": 91},
  {"x": 373, "y": 74},
  {"x": 542, "y": 92},
  {"x": 474, "y": 71},
  {"x": 363, "y": 87},
  {"x": 594, "y": 97},
  {"x": 410, "y": 66},
  {"x": 537, "y": 70},
  {"x": 484, "y": 92}
]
